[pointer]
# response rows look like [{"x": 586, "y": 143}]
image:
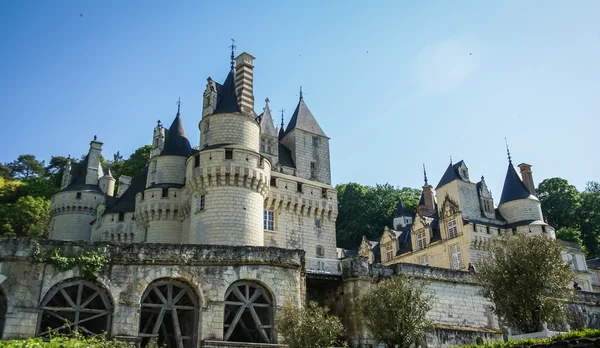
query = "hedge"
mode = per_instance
[{"x": 578, "y": 334}]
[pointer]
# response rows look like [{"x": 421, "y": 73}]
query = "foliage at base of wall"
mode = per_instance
[
  {"x": 89, "y": 262},
  {"x": 77, "y": 341},
  {"x": 580, "y": 338}
]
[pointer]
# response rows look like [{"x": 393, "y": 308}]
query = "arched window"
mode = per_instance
[
  {"x": 248, "y": 314},
  {"x": 169, "y": 314},
  {"x": 75, "y": 305}
]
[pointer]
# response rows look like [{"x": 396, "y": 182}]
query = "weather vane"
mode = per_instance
[
  {"x": 282, "y": 112},
  {"x": 233, "y": 47},
  {"x": 178, "y": 105},
  {"x": 507, "y": 151}
]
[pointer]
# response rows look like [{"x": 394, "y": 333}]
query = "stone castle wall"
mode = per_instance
[
  {"x": 209, "y": 270},
  {"x": 166, "y": 170},
  {"x": 71, "y": 216},
  {"x": 229, "y": 129}
]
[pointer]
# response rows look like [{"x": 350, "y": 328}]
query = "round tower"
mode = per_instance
[
  {"x": 160, "y": 207},
  {"x": 229, "y": 178},
  {"x": 74, "y": 207}
]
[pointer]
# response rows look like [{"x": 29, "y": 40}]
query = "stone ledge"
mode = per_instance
[{"x": 226, "y": 344}]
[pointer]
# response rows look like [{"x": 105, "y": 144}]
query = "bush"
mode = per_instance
[
  {"x": 587, "y": 333},
  {"x": 308, "y": 327},
  {"x": 60, "y": 341}
]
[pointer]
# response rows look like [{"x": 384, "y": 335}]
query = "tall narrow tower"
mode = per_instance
[{"x": 229, "y": 177}]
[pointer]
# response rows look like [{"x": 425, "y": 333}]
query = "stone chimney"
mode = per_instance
[
  {"x": 428, "y": 206},
  {"x": 244, "y": 75},
  {"x": 107, "y": 184},
  {"x": 93, "y": 165},
  {"x": 124, "y": 183},
  {"x": 527, "y": 177}
]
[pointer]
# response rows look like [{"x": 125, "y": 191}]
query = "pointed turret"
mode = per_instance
[
  {"x": 267, "y": 127},
  {"x": 403, "y": 215},
  {"x": 517, "y": 204},
  {"x": 513, "y": 188},
  {"x": 458, "y": 171},
  {"x": 426, "y": 206},
  {"x": 303, "y": 119},
  {"x": 176, "y": 141},
  {"x": 226, "y": 96},
  {"x": 107, "y": 184}
]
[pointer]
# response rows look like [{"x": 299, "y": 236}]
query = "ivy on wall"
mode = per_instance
[{"x": 89, "y": 263}]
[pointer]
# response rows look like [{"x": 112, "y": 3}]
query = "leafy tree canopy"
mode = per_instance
[
  {"x": 560, "y": 202},
  {"x": 526, "y": 279},
  {"x": 366, "y": 210},
  {"x": 26, "y": 166},
  {"x": 308, "y": 327},
  {"x": 28, "y": 217},
  {"x": 589, "y": 219},
  {"x": 395, "y": 311}
]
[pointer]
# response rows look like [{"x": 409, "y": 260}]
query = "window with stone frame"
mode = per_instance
[
  {"x": 389, "y": 252},
  {"x": 315, "y": 141},
  {"x": 75, "y": 304},
  {"x": 456, "y": 257},
  {"x": 317, "y": 223},
  {"x": 594, "y": 278},
  {"x": 452, "y": 229},
  {"x": 263, "y": 144},
  {"x": 320, "y": 250},
  {"x": 206, "y": 126},
  {"x": 201, "y": 202},
  {"x": 313, "y": 170},
  {"x": 248, "y": 313},
  {"x": 270, "y": 146},
  {"x": 269, "y": 220},
  {"x": 169, "y": 314},
  {"x": 423, "y": 260},
  {"x": 421, "y": 240}
]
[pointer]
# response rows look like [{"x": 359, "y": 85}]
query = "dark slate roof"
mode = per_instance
[
  {"x": 285, "y": 157},
  {"x": 176, "y": 141},
  {"x": 126, "y": 203},
  {"x": 304, "y": 120},
  {"x": 402, "y": 209},
  {"x": 450, "y": 175},
  {"x": 514, "y": 188},
  {"x": 405, "y": 241},
  {"x": 78, "y": 173},
  {"x": 226, "y": 96},
  {"x": 351, "y": 252},
  {"x": 422, "y": 199},
  {"x": 593, "y": 263}
]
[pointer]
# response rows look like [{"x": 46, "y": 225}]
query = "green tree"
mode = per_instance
[
  {"x": 560, "y": 202},
  {"x": 395, "y": 311},
  {"x": 56, "y": 169},
  {"x": 26, "y": 166},
  {"x": 37, "y": 187},
  {"x": 589, "y": 219},
  {"x": 569, "y": 234},
  {"x": 28, "y": 217},
  {"x": 366, "y": 210},
  {"x": 527, "y": 280},
  {"x": 8, "y": 190},
  {"x": 308, "y": 327},
  {"x": 5, "y": 171}
]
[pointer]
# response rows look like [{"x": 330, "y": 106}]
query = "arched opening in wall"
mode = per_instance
[
  {"x": 75, "y": 305},
  {"x": 169, "y": 314},
  {"x": 3, "y": 306},
  {"x": 248, "y": 313}
]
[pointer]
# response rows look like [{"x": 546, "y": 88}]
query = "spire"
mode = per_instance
[
  {"x": 176, "y": 141},
  {"x": 425, "y": 175},
  {"x": 301, "y": 93},
  {"x": 233, "y": 47},
  {"x": 450, "y": 159},
  {"x": 281, "y": 130},
  {"x": 513, "y": 188},
  {"x": 267, "y": 126},
  {"x": 507, "y": 151},
  {"x": 178, "y": 107},
  {"x": 109, "y": 174},
  {"x": 304, "y": 120}
]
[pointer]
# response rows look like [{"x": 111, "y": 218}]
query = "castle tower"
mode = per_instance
[
  {"x": 74, "y": 207},
  {"x": 158, "y": 140},
  {"x": 426, "y": 206},
  {"x": 517, "y": 204},
  {"x": 268, "y": 135},
  {"x": 160, "y": 208},
  {"x": 308, "y": 144},
  {"x": 229, "y": 177},
  {"x": 107, "y": 184}
]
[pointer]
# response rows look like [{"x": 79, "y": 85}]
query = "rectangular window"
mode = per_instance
[
  {"x": 421, "y": 241},
  {"x": 197, "y": 161},
  {"x": 154, "y": 164},
  {"x": 269, "y": 149},
  {"x": 143, "y": 195},
  {"x": 423, "y": 260},
  {"x": 575, "y": 264},
  {"x": 389, "y": 252},
  {"x": 202, "y": 201},
  {"x": 299, "y": 187},
  {"x": 207, "y": 126},
  {"x": 274, "y": 182},
  {"x": 452, "y": 229},
  {"x": 594, "y": 278},
  {"x": 324, "y": 192},
  {"x": 228, "y": 154},
  {"x": 456, "y": 258},
  {"x": 145, "y": 234},
  {"x": 262, "y": 147},
  {"x": 315, "y": 141},
  {"x": 313, "y": 170},
  {"x": 78, "y": 195},
  {"x": 165, "y": 193},
  {"x": 320, "y": 250},
  {"x": 269, "y": 220},
  {"x": 317, "y": 223},
  {"x": 121, "y": 216}
]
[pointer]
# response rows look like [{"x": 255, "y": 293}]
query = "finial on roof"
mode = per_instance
[
  {"x": 233, "y": 47},
  {"x": 178, "y": 106},
  {"x": 425, "y": 175},
  {"x": 301, "y": 93},
  {"x": 158, "y": 123},
  {"x": 95, "y": 138},
  {"x": 450, "y": 159},
  {"x": 508, "y": 151},
  {"x": 267, "y": 100},
  {"x": 282, "y": 112}
]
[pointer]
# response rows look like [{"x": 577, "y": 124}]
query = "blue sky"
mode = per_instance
[{"x": 394, "y": 83}]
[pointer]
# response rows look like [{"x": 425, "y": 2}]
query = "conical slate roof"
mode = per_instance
[
  {"x": 402, "y": 209},
  {"x": 176, "y": 141},
  {"x": 126, "y": 203},
  {"x": 514, "y": 188},
  {"x": 226, "y": 96},
  {"x": 304, "y": 120}
]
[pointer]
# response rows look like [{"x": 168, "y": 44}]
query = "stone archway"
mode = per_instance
[
  {"x": 75, "y": 305},
  {"x": 248, "y": 313},
  {"x": 169, "y": 314}
]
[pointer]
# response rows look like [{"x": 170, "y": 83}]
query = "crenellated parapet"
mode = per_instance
[
  {"x": 152, "y": 205},
  {"x": 229, "y": 167}
]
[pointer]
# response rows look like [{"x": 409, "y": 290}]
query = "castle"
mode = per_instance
[
  {"x": 248, "y": 184},
  {"x": 205, "y": 244},
  {"x": 454, "y": 225}
]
